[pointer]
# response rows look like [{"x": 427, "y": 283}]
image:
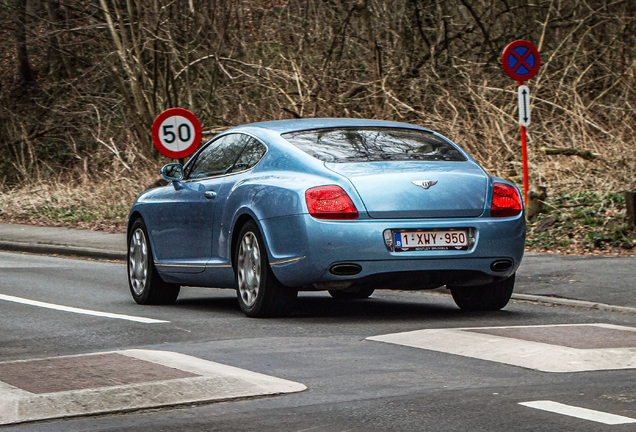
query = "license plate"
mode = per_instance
[{"x": 430, "y": 240}]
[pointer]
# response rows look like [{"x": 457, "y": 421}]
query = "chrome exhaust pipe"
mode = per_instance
[
  {"x": 347, "y": 269},
  {"x": 501, "y": 265}
]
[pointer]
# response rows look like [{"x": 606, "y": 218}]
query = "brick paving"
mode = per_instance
[
  {"x": 581, "y": 337},
  {"x": 83, "y": 372}
]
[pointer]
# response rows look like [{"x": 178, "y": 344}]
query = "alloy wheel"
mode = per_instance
[
  {"x": 138, "y": 261},
  {"x": 249, "y": 269}
]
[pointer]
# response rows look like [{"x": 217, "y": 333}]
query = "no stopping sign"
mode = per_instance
[
  {"x": 521, "y": 60},
  {"x": 176, "y": 133}
]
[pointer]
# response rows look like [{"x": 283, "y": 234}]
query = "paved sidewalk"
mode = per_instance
[
  {"x": 585, "y": 281},
  {"x": 595, "y": 279},
  {"x": 62, "y": 241}
]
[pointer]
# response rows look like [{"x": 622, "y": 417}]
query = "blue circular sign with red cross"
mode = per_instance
[{"x": 521, "y": 60}]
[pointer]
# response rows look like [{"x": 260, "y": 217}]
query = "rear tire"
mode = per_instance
[
  {"x": 357, "y": 293},
  {"x": 146, "y": 286},
  {"x": 258, "y": 291},
  {"x": 490, "y": 297}
]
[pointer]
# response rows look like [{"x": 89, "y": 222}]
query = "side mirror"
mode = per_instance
[{"x": 172, "y": 172}]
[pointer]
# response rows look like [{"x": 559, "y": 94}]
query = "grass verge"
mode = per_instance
[
  {"x": 579, "y": 223},
  {"x": 91, "y": 203},
  {"x": 582, "y": 223}
]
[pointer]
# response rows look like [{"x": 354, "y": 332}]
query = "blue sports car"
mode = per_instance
[{"x": 341, "y": 205}]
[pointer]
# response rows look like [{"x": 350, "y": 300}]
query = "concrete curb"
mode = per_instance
[
  {"x": 39, "y": 248},
  {"x": 554, "y": 301},
  {"x": 575, "y": 303}
]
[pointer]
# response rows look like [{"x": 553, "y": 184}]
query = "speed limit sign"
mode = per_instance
[{"x": 176, "y": 133}]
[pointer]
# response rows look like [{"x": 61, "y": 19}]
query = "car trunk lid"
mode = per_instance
[{"x": 404, "y": 189}]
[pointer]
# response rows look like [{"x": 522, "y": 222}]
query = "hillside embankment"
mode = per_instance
[{"x": 83, "y": 81}]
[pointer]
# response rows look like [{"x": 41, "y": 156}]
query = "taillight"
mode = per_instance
[
  {"x": 506, "y": 201},
  {"x": 330, "y": 202}
]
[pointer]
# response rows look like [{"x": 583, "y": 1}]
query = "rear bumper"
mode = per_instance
[{"x": 303, "y": 249}]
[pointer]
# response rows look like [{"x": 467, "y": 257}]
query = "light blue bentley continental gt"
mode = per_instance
[{"x": 342, "y": 205}]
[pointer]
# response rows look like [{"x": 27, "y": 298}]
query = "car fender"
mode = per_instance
[
  {"x": 276, "y": 248},
  {"x": 139, "y": 211}
]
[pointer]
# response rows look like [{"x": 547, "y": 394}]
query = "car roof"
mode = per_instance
[{"x": 286, "y": 126}]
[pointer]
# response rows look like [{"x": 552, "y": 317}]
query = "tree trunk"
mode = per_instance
[
  {"x": 24, "y": 68},
  {"x": 56, "y": 56},
  {"x": 569, "y": 151}
]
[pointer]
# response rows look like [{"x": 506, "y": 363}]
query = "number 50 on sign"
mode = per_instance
[{"x": 176, "y": 133}]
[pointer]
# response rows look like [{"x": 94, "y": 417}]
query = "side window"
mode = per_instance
[
  {"x": 251, "y": 155},
  {"x": 219, "y": 157}
]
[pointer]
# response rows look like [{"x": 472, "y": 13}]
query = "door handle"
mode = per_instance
[{"x": 209, "y": 194}]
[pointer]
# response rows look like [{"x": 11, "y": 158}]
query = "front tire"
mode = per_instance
[
  {"x": 258, "y": 291},
  {"x": 490, "y": 297},
  {"x": 146, "y": 286}
]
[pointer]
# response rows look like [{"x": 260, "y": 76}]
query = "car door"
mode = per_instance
[
  {"x": 183, "y": 232},
  {"x": 252, "y": 152}
]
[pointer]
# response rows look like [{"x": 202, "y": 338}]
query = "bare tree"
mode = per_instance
[
  {"x": 20, "y": 18},
  {"x": 432, "y": 62}
]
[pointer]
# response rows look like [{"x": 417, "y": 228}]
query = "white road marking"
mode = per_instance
[
  {"x": 581, "y": 413},
  {"x": 80, "y": 311},
  {"x": 517, "y": 352}
]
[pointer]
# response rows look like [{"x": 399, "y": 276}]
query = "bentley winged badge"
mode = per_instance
[{"x": 424, "y": 183}]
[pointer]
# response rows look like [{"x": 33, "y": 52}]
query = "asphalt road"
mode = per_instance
[{"x": 352, "y": 383}]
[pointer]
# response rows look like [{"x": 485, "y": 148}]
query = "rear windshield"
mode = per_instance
[{"x": 373, "y": 144}]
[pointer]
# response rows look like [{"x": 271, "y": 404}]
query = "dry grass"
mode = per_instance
[{"x": 98, "y": 202}]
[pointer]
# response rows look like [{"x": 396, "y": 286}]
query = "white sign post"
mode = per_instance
[{"x": 524, "y": 105}]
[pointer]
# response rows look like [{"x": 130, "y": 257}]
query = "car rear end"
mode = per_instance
[{"x": 412, "y": 211}]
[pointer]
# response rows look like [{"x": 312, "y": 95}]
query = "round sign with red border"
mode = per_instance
[
  {"x": 176, "y": 133},
  {"x": 521, "y": 60}
]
